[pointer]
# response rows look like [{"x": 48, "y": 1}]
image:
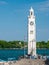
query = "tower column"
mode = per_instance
[{"x": 31, "y": 34}]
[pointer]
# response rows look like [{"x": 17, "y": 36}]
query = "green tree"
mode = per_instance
[{"x": 48, "y": 44}]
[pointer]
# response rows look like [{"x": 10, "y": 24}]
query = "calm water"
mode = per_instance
[{"x": 14, "y": 54}]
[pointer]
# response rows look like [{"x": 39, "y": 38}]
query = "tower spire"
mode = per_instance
[{"x": 31, "y": 11}]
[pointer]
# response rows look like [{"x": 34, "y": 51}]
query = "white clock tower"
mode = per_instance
[{"x": 31, "y": 34}]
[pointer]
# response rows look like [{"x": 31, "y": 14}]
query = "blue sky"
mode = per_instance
[{"x": 13, "y": 19}]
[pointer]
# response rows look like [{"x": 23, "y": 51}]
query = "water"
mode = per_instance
[
  {"x": 6, "y": 55},
  {"x": 43, "y": 52}
]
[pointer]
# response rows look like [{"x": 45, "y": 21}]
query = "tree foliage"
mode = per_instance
[
  {"x": 11, "y": 44},
  {"x": 21, "y": 44},
  {"x": 42, "y": 44}
]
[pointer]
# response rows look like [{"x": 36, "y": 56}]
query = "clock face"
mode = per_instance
[{"x": 31, "y": 23}]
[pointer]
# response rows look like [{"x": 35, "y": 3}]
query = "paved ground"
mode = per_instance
[
  {"x": 31, "y": 62},
  {"x": 26, "y": 62}
]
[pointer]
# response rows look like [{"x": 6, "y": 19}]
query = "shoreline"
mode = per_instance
[
  {"x": 18, "y": 48},
  {"x": 10, "y": 48}
]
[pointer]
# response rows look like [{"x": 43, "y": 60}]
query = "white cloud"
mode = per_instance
[
  {"x": 3, "y": 3},
  {"x": 44, "y": 6}
]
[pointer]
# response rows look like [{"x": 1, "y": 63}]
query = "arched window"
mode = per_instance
[{"x": 31, "y": 13}]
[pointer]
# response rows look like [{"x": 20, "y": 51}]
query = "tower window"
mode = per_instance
[
  {"x": 31, "y": 13},
  {"x": 31, "y": 32}
]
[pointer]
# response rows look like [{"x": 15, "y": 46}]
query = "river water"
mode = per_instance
[{"x": 14, "y": 54}]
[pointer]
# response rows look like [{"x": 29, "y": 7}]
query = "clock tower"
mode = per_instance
[{"x": 31, "y": 34}]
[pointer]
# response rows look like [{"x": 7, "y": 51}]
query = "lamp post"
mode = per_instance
[
  {"x": 24, "y": 46},
  {"x": 24, "y": 49}
]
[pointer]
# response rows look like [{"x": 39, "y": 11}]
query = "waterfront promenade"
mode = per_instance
[{"x": 26, "y": 62}]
